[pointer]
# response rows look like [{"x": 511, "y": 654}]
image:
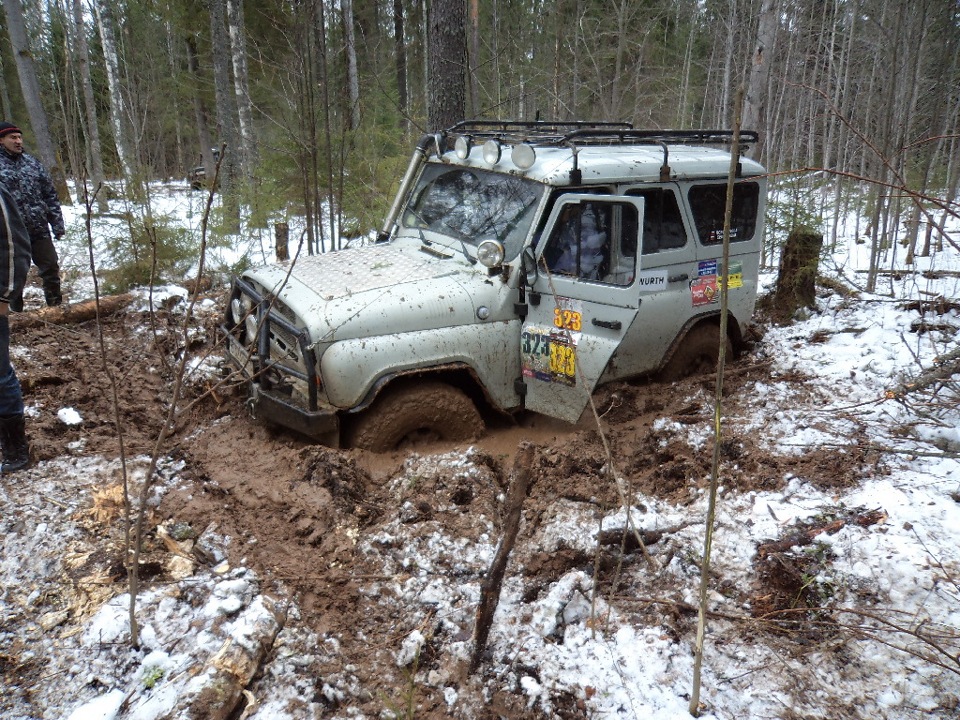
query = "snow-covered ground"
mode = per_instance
[{"x": 899, "y": 579}]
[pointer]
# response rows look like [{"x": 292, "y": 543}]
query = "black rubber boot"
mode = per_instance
[
  {"x": 13, "y": 439},
  {"x": 53, "y": 294},
  {"x": 16, "y": 304}
]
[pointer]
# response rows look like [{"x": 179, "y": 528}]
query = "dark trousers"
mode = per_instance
[
  {"x": 11, "y": 398},
  {"x": 48, "y": 266}
]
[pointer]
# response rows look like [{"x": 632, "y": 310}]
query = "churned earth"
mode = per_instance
[{"x": 349, "y": 582}]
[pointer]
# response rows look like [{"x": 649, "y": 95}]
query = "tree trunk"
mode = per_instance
[
  {"x": 755, "y": 106},
  {"x": 117, "y": 110},
  {"x": 30, "y": 87},
  {"x": 353, "y": 80},
  {"x": 474, "y": 30},
  {"x": 5, "y": 105},
  {"x": 226, "y": 114},
  {"x": 797, "y": 279},
  {"x": 241, "y": 84},
  {"x": 201, "y": 116},
  {"x": 448, "y": 62},
  {"x": 95, "y": 151},
  {"x": 400, "y": 50}
]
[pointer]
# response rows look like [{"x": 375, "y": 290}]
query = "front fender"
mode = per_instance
[{"x": 350, "y": 369}]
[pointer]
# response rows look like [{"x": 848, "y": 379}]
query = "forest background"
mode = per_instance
[{"x": 316, "y": 103}]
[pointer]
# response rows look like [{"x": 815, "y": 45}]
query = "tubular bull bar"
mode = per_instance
[{"x": 257, "y": 367}]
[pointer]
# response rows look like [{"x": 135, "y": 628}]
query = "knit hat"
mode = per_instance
[{"x": 7, "y": 128}]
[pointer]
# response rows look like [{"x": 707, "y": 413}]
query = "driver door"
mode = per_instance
[{"x": 581, "y": 303}]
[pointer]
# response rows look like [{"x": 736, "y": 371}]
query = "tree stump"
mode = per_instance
[
  {"x": 797, "y": 279},
  {"x": 281, "y": 232}
]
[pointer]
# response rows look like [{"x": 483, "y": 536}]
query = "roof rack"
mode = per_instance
[{"x": 577, "y": 132}]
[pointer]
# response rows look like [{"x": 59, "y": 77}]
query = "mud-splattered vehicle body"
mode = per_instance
[{"x": 521, "y": 265}]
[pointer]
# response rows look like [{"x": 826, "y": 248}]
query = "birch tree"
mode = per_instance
[
  {"x": 92, "y": 132},
  {"x": 121, "y": 138},
  {"x": 241, "y": 83}
]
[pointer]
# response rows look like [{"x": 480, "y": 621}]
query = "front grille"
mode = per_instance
[{"x": 280, "y": 351}]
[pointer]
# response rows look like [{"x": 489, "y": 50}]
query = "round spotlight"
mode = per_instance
[
  {"x": 490, "y": 253},
  {"x": 491, "y": 152},
  {"x": 251, "y": 324},
  {"x": 236, "y": 311},
  {"x": 462, "y": 147},
  {"x": 523, "y": 156}
]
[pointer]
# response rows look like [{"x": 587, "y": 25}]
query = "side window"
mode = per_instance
[
  {"x": 708, "y": 202},
  {"x": 586, "y": 242},
  {"x": 663, "y": 227}
]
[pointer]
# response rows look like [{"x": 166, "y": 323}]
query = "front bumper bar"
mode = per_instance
[{"x": 264, "y": 402}]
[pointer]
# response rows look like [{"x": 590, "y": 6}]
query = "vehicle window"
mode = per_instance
[
  {"x": 663, "y": 227},
  {"x": 708, "y": 202},
  {"x": 471, "y": 205},
  {"x": 585, "y": 242}
]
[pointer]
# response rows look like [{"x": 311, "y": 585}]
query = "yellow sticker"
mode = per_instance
[{"x": 566, "y": 319}]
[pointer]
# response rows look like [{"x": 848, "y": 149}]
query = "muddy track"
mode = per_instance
[{"x": 297, "y": 513}]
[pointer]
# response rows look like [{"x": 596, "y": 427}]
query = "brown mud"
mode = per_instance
[{"x": 295, "y": 510}]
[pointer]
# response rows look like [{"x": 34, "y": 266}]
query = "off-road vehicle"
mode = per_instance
[{"x": 520, "y": 265}]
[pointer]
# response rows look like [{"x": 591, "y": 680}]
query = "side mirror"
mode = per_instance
[{"x": 528, "y": 266}]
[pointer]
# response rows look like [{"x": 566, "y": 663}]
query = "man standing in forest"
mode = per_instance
[
  {"x": 36, "y": 199},
  {"x": 14, "y": 264}
]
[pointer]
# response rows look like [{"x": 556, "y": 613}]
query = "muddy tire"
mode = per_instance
[
  {"x": 411, "y": 414},
  {"x": 698, "y": 353}
]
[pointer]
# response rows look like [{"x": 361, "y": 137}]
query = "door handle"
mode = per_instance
[
  {"x": 611, "y": 324},
  {"x": 678, "y": 278}
]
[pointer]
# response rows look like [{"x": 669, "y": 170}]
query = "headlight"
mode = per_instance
[
  {"x": 240, "y": 308},
  {"x": 490, "y": 253},
  {"x": 251, "y": 325}
]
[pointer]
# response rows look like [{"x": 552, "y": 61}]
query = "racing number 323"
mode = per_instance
[
  {"x": 566, "y": 319},
  {"x": 560, "y": 356}
]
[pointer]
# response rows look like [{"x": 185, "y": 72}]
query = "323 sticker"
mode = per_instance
[{"x": 549, "y": 355}]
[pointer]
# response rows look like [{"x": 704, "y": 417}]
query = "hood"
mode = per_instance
[{"x": 376, "y": 290}]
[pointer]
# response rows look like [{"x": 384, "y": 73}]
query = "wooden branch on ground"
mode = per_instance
[
  {"x": 615, "y": 536},
  {"x": 490, "y": 589},
  {"x": 808, "y": 535},
  {"x": 71, "y": 313},
  {"x": 945, "y": 367}
]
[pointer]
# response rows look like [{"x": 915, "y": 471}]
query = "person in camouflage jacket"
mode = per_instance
[{"x": 36, "y": 199}]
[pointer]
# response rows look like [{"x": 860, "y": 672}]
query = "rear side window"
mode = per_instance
[
  {"x": 707, "y": 203},
  {"x": 662, "y": 222}
]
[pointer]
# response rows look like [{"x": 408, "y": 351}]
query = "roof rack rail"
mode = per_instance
[
  {"x": 535, "y": 126},
  {"x": 657, "y": 137},
  {"x": 579, "y": 132}
]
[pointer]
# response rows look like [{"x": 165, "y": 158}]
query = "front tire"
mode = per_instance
[
  {"x": 698, "y": 353},
  {"x": 411, "y": 414}
]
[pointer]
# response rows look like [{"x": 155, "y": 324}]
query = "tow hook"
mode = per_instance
[{"x": 251, "y": 405}]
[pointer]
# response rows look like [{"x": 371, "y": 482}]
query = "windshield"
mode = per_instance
[{"x": 471, "y": 205}]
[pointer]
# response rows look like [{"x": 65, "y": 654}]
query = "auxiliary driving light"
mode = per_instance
[
  {"x": 491, "y": 152},
  {"x": 523, "y": 156},
  {"x": 462, "y": 147}
]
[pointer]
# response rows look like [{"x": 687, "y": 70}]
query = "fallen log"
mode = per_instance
[{"x": 71, "y": 313}]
